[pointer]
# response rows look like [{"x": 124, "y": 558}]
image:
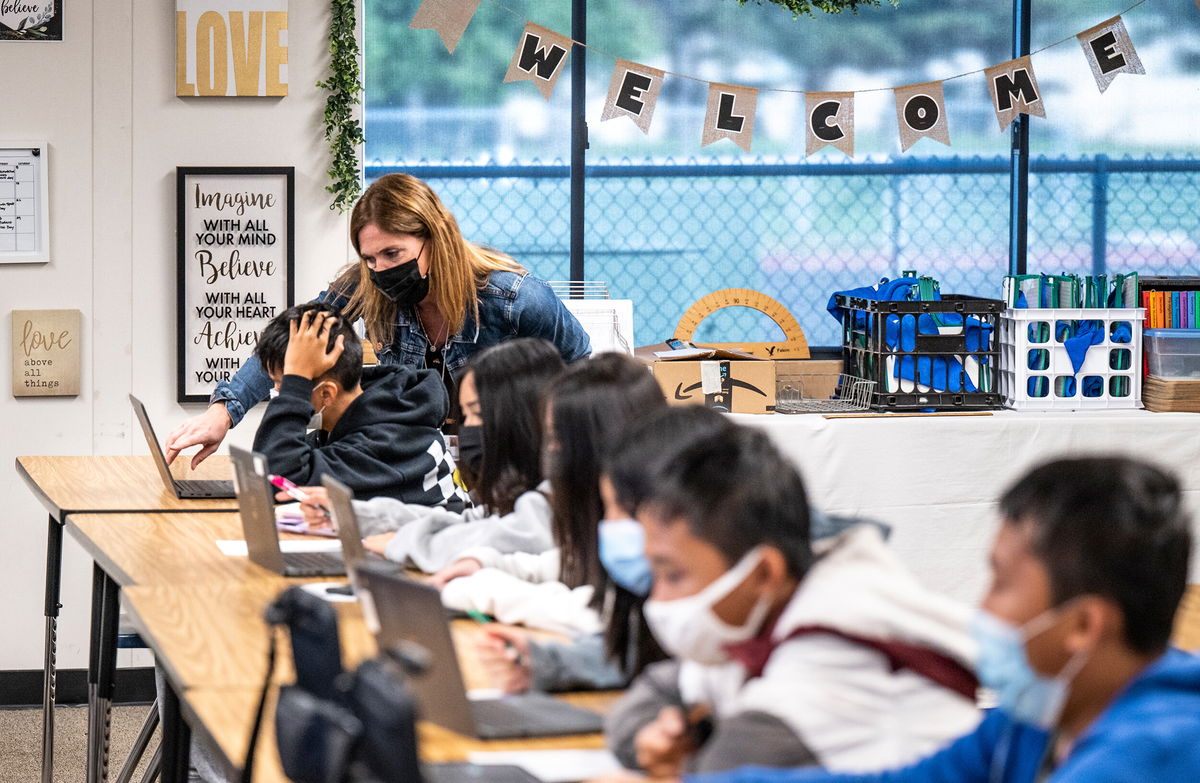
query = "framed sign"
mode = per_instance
[
  {"x": 31, "y": 20},
  {"x": 231, "y": 47},
  {"x": 235, "y": 232},
  {"x": 24, "y": 207}
]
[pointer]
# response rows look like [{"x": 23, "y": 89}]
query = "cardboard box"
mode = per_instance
[
  {"x": 816, "y": 378},
  {"x": 724, "y": 380}
]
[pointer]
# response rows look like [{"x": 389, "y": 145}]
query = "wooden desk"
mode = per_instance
[
  {"x": 219, "y": 674},
  {"x": 67, "y": 485}
]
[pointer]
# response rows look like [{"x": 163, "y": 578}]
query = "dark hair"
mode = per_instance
[
  {"x": 591, "y": 405},
  {"x": 509, "y": 380},
  {"x": 727, "y": 483},
  {"x": 1109, "y": 526},
  {"x": 273, "y": 343}
]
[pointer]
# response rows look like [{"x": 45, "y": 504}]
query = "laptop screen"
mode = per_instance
[{"x": 160, "y": 460}]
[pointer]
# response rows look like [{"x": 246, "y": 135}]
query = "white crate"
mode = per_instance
[{"x": 1044, "y": 389}]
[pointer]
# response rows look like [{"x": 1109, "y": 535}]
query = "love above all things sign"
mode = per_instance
[
  {"x": 45, "y": 353},
  {"x": 234, "y": 237}
]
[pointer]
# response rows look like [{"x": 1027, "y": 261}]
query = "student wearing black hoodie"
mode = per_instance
[{"x": 376, "y": 428}]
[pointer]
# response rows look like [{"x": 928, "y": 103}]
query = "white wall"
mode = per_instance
[{"x": 104, "y": 100}]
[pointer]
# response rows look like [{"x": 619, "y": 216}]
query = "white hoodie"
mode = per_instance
[{"x": 823, "y": 699}]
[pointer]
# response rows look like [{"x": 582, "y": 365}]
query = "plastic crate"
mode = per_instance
[
  {"x": 924, "y": 355},
  {"x": 1036, "y": 373}
]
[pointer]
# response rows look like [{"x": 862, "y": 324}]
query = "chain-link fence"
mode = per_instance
[{"x": 664, "y": 235}]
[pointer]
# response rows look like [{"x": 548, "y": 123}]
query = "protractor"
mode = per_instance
[{"x": 795, "y": 346}]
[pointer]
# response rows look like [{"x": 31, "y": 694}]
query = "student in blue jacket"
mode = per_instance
[{"x": 1089, "y": 566}]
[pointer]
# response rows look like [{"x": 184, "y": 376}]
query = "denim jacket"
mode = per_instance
[{"x": 510, "y": 305}]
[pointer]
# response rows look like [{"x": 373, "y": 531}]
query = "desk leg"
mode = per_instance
[
  {"x": 102, "y": 667},
  {"x": 54, "y": 540},
  {"x": 176, "y": 738}
]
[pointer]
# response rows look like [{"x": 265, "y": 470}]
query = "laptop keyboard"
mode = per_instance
[
  {"x": 202, "y": 488},
  {"x": 313, "y": 563},
  {"x": 532, "y": 715}
]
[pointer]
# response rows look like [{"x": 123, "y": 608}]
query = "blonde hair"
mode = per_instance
[{"x": 402, "y": 204}]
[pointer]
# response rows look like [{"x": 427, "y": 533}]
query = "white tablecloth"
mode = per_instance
[{"x": 935, "y": 479}]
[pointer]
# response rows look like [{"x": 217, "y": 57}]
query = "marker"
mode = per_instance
[
  {"x": 293, "y": 491},
  {"x": 514, "y": 654}
]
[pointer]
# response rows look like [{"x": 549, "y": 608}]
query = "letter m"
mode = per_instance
[
  {"x": 533, "y": 56},
  {"x": 1018, "y": 84}
]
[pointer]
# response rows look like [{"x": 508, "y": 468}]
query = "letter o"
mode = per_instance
[{"x": 921, "y": 113}]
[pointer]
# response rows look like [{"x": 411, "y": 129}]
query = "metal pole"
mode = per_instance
[
  {"x": 579, "y": 135},
  {"x": 1100, "y": 215},
  {"x": 1018, "y": 214}
]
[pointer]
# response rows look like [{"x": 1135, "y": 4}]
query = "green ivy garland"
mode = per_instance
[
  {"x": 342, "y": 129},
  {"x": 806, "y": 7}
]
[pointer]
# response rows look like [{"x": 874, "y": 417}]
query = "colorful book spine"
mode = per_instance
[{"x": 1176, "y": 321}]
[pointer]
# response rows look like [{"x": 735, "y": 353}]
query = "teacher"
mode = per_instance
[{"x": 429, "y": 299}]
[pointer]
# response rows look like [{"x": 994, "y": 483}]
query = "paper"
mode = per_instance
[
  {"x": 553, "y": 766},
  {"x": 237, "y": 548}
]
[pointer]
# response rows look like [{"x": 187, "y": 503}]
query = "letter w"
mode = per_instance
[{"x": 546, "y": 61}]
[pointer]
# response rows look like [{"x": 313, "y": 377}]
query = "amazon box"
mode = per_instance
[{"x": 724, "y": 380}]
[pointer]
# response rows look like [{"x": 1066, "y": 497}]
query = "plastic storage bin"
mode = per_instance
[
  {"x": 940, "y": 355},
  {"x": 1173, "y": 354},
  {"x": 1036, "y": 373}
]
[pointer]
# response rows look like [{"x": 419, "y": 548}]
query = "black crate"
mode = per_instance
[{"x": 961, "y": 369}]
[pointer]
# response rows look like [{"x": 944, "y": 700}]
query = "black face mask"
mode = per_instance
[
  {"x": 402, "y": 283},
  {"x": 470, "y": 447}
]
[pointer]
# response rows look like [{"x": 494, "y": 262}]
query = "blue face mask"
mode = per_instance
[
  {"x": 623, "y": 554},
  {"x": 1003, "y": 667}
]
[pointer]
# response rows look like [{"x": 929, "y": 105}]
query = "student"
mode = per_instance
[
  {"x": 782, "y": 655},
  {"x": 587, "y": 409},
  {"x": 499, "y": 450},
  {"x": 1088, "y": 568},
  {"x": 376, "y": 429},
  {"x": 429, "y": 298}
]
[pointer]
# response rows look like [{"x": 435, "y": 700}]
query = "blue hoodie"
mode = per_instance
[{"x": 1151, "y": 732}]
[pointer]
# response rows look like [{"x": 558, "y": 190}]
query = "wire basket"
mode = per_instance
[{"x": 852, "y": 394}]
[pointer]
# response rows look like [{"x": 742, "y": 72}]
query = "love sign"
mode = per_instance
[
  {"x": 231, "y": 47},
  {"x": 45, "y": 353}
]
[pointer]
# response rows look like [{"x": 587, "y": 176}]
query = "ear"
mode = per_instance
[
  {"x": 326, "y": 392},
  {"x": 773, "y": 570},
  {"x": 1092, "y": 621}
]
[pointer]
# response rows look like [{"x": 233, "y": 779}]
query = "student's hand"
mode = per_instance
[
  {"x": 504, "y": 653},
  {"x": 314, "y": 515},
  {"x": 456, "y": 570},
  {"x": 207, "y": 430},
  {"x": 664, "y": 743},
  {"x": 378, "y": 543},
  {"x": 307, "y": 338}
]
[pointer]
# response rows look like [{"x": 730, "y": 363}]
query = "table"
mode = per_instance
[
  {"x": 71, "y": 484},
  {"x": 935, "y": 479},
  {"x": 149, "y": 548},
  {"x": 219, "y": 676}
]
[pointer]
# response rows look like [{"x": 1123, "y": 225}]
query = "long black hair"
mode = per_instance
[
  {"x": 589, "y": 407},
  {"x": 509, "y": 380}
]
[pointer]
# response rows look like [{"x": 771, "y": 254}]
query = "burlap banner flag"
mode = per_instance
[
  {"x": 539, "y": 58},
  {"x": 830, "y": 121},
  {"x": 633, "y": 93},
  {"x": 730, "y": 115},
  {"x": 1109, "y": 51},
  {"x": 1014, "y": 90},
  {"x": 921, "y": 113},
  {"x": 448, "y": 17}
]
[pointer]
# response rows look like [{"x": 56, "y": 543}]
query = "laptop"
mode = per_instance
[
  {"x": 256, "y": 505},
  {"x": 404, "y": 614},
  {"x": 345, "y": 521},
  {"x": 184, "y": 489}
]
